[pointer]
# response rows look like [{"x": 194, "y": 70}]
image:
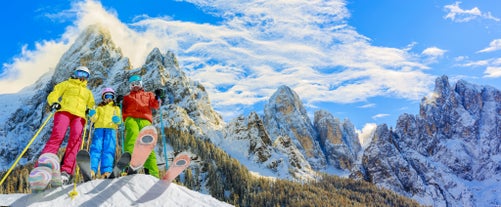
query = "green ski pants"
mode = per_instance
[{"x": 132, "y": 128}]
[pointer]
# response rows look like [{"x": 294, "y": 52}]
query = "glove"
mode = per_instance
[
  {"x": 115, "y": 119},
  {"x": 91, "y": 112},
  {"x": 159, "y": 94},
  {"x": 120, "y": 98},
  {"x": 55, "y": 106}
]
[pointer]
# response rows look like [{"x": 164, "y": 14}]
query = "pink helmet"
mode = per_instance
[{"x": 107, "y": 91}]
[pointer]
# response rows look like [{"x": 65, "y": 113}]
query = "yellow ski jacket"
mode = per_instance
[
  {"x": 104, "y": 115},
  {"x": 73, "y": 95}
]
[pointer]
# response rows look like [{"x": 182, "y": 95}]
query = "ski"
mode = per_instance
[
  {"x": 47, "y": 172},
  {"x": 51, "y": 161},
  {"x": 145, "y": 143},
  {"x": 83, "y": 161},
  {"x": 122, "y": 163},
  {"x": 179, "y": 164},
  {"x": 39, "y": 178}
]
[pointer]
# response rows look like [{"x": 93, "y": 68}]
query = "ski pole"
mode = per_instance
[
  {"x": 74, "y": 192},
  {"x": 89, "y": 137},
  {"x": 122, "y": 129},
  {"x": 26, "y": 148},
  {"x": 163, "y": 137}
]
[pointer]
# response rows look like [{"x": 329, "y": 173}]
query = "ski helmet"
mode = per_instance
[
  {"x": 82, "y": 72},
  {"x": 108, "y": 93},
  {"x": 134, "y": 78},
  {"x": 135, "y": 82}
]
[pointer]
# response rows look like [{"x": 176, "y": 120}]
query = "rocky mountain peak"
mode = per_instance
[
  {"x": 338, "y": 140},
  {"x": 452, "y": 143},
  {"x": 286, "y": 116}
]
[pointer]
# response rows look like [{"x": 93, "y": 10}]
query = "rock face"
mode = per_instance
[
  {"x": 338, "y": 140},
  {"x": 286, "y": 116},
  {"x": 437, "y": 156}
]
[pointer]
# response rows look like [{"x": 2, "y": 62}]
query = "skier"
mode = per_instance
[
  {"x": 106, "y": 118},
  {"x": 137, "y": 113},
  {"x": 71, "y": 99}
]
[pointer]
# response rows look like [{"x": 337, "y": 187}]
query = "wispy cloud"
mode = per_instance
[
  {"x": 365, "y": 135},
  {"x": 432, "y": 54},
  {"x": 492, "y": 66},
  {"x": 259, "y": 46},
  {"x": 457, "y": 14},
  {"x": 493, "y": 72},
  {"x": 370, "y": 105},
  {"x": 378, "y": 116},
  {"x": 493, "y": 46},
  {"x": 30, "y": 65}
]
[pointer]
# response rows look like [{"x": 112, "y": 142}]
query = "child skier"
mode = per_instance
[
  {"x": 137, "y": 113},
  {"x": 106, "y": 118},
  {"x": 71, "y": 99}
]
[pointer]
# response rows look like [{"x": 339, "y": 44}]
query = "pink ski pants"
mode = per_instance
[{"x": 63, "y": 120}]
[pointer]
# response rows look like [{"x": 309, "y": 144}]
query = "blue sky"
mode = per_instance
[{"x": 368, "y": 61}]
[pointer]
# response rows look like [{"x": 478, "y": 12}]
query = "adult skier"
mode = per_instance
[
  {"x": 106, "y": 118},
  {"x": 137, "y": 113},
  {"x": 71, "y": 99}
]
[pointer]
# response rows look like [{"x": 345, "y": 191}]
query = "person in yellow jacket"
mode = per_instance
[
  {"x": 106, "y": 118},
  {"x": 71, "y": 99}
]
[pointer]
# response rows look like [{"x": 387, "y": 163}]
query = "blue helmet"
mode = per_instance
[
  {"x": 135, "y": 82},
  {"x": 134, "y": 78}
]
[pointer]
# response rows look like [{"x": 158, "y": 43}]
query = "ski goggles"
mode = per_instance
[
  {"x": 108, "y": 96},
  {"x": 136, "y": 83},
  {"x": 81, "y": 74}
]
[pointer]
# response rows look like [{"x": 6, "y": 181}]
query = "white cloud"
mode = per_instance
[
  {"x": 434, "y": 51},
  {"x": 366, "y": 134},
  {"x": 492, "y": 72},
  {"x": 258, "y": 46},
  {"x": 377, "y": 116},
  {"x": 493, "y": 46},
  {"x": 30, "y": 65},
  {"x": 457, "y": 14},
  {"x": 432, "y": 54},
  {"x": 370, "y": 105}
]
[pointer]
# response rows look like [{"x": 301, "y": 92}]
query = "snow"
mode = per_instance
[
  {"x": 9, "y": 103},
  {"x": 135, "y": 190}
]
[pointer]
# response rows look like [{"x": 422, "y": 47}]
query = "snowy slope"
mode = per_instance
[{"x": 136, "y": 190}]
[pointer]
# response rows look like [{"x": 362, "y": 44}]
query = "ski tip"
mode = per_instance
[{"x": 149, "y": 127}]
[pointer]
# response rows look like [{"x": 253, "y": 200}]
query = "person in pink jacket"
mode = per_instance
[{"x": 71, "y": 99}]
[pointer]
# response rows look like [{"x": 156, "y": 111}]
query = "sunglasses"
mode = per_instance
[
  {"x": 136, "y": 83},
  {"x": 82, "y": 74},
  {"x": 108, "y": 96}
]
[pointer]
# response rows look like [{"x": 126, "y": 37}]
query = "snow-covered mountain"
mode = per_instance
[
  {"x": 448, "y": 155},
  {"x": 136, "y": 190}
]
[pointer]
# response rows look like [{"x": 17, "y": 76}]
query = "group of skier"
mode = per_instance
[{"x": 74, "y": 106}]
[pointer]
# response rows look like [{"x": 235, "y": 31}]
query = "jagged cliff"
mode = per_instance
[{"x": 448, "y": 155}]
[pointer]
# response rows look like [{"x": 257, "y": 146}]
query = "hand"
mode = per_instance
[
  {"x": 159, "y": 94},
  {"x": 115, "y": 119},
  {"x": 92, "y": 112},
  {"x": 55, "y": 106},
  {"x": 120, "y": 98}
]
